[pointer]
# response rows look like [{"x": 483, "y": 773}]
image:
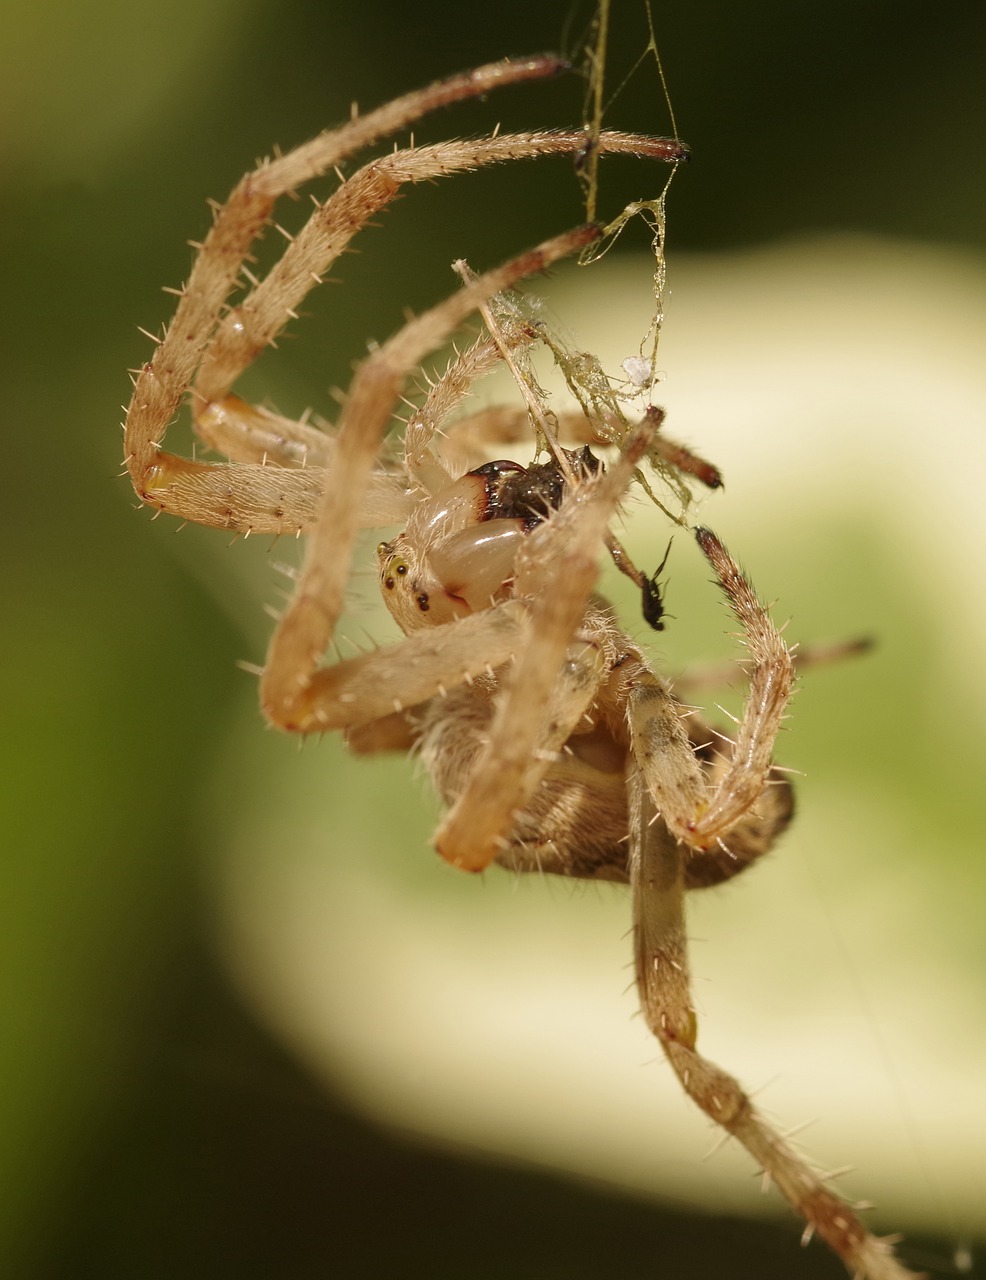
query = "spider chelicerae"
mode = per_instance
[{"x": 552, "y": 741}]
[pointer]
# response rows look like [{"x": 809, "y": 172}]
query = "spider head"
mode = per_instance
[
  {"x": 457, "y": 554},
  {"x": 413, "y": 593}
]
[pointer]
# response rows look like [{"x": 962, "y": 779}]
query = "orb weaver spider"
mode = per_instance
[{"x": 555, "y": 746}]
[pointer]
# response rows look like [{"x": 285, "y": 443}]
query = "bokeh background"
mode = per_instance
[{"x": 250, "y": 1026}]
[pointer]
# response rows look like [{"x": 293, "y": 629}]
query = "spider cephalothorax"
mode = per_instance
[
  {"x": 457, "y": 554},
  {"x": 552, "y": 740}
]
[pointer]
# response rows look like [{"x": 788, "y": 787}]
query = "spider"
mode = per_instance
[{"x": 555, "y": 746}]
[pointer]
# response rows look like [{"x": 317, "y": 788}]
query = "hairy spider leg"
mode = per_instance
[{"x": 290, "y": 695}]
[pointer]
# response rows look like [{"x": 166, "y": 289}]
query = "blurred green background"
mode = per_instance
[{"x": 151, "y": 1122}]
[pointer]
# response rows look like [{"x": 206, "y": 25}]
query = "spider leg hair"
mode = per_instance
[
  {"x": 431, "y": 470},
  {"x": 517, "y": 755},
  {"x": 162, "y": 382},
  {"x": 290, "y": 694},
  {"x": 695, "y": 812},
  {"x": 200, "y": 337},
  {"x": 658, "y": 879},
  {"x": 707, "y": 823}
]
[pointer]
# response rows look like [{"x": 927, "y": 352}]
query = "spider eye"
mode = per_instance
[{"x": 393, "y": 565}]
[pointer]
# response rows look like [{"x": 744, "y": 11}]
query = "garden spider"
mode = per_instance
[{"x": 554, "y": 745}]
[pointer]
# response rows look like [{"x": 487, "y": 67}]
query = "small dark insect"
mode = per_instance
[{"x": 653, "y": 600}]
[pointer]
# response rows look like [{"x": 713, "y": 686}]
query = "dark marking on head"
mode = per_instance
[{"x": 531, "y": 493}]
